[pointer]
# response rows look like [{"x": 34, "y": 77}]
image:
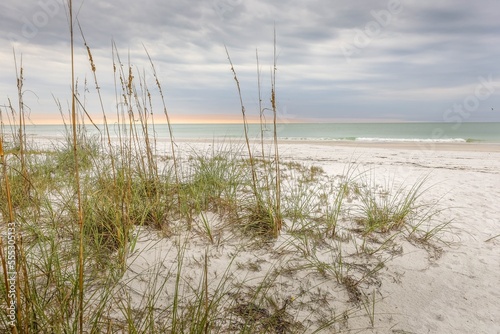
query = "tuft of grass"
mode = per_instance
[
  {"x": 269, "y": 196},
  {"x": 216, "y": 179},
  {"x": 384, "y": 209}
]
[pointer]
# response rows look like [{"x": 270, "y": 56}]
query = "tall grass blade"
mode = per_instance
[
  {"x": 247, "y": 139},
  {"x": 74, "y": 121}
]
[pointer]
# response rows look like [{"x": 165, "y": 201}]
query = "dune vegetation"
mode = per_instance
[{"x": 130, "y": 231}]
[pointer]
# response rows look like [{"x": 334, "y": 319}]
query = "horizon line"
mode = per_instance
[{"x": 319, "y": 121}]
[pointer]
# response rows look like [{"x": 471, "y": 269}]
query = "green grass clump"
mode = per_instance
[
  {"x": 387, "y": 209},
  {"x": 216, "y": 179}
]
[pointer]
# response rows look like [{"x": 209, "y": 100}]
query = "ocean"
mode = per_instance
[{"x": 381, "y": 132}]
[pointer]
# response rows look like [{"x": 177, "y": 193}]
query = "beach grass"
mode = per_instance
[
  {"x": 114, "y": 235},
  {"x": 329, "y": 222}
]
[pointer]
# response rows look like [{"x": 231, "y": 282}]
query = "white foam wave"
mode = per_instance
[
  {"x": 414, "y": 140},
  {"x": 384, "y": 140}
]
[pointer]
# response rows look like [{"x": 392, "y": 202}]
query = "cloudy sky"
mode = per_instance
[{"x": 363, "y": 60}]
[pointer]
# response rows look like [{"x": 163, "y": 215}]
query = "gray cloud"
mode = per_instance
[{"x": 336, "y": 59}]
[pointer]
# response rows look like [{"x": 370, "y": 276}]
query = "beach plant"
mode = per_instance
[
  {"x": 300, "y": 201},
  {"x": 216, "y": 179},
  {"x": 21, "y": 114},
  {"x": 369, "y": 306},
  {"x": 304, "y": 194},
  {"x": 383, "y": 209},
  {"x": 277, "y": 175},
  {"x": 333, "y": 208},
  {"x": 426, "y": 224},
  {"x": 74, "y": 125},
  {"x": 266, "y": 208},
  {"x": 167, "y": 116},
  {"x": 8, "y": 261},
  {"x": 253, "y": 168},
  {"x": 88, "y": 149},
  {"x": 21, "y": 188},
  {"x": 101, "y": 103}
]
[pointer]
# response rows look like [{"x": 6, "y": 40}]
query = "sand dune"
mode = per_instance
[{"x": 447, "y": 286}]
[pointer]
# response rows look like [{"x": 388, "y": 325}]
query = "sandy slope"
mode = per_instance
[
  {"x": 442, "y": 289},
  {"x": 457, "y": 293}
]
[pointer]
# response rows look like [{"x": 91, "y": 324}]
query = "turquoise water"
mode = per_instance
[{"x": 436, "y": 132}]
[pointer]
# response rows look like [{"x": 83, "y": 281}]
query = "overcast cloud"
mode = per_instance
[{"x": 389, "y": 60}]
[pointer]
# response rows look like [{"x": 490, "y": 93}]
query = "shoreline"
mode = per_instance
[
  {"x": 482, "y": 147},
  {"x": 419, "y": 146}
]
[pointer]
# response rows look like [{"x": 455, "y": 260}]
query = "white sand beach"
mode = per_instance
[
  {"x": 458, "y": 292},
  {"x": 449, "y": 285}
]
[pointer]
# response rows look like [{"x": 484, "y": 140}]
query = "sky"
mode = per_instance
[{"x": 336, "y": 61}]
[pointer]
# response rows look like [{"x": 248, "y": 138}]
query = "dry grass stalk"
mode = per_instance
[
  {"x": 245, "y": 127},
  {"x": 11, "y": 221},
  {"x": 74, "y": 122},
  {"x": 98, "y": 89},
  {"x": 278, "y": 218},
  {"x": 170, "y": 131},
  {"x": 261, "y": 110},
  {"x": 22, "y": 137}
]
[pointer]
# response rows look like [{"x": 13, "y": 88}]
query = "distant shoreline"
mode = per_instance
[
  {"x": 458, "y": 146},
  {"x": 420, "y": 136},
  {"x": 390, "y": 145}
]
